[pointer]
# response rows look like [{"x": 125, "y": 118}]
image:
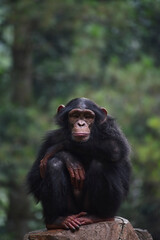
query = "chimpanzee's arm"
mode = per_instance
[
  {"x": 75, "y": 169},
  {"x": 34, "y": 179},
  {"x": 49, "y": 154},
  {"x": 114, "y": 147},
  {"x": 117, "y": 149}
]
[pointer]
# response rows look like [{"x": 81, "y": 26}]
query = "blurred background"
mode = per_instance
[{"x": 52, "y": 51}]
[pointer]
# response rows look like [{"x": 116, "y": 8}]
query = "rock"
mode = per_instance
[
  {"x": 143, "y": 234},
  {"x": 110, "y": 230}
]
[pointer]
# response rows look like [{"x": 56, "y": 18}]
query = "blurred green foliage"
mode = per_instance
[{"x": 104, "y": 50}]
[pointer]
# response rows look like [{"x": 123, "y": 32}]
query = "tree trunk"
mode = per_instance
[
  {"x": 21, "y": 74},
  {"x": 22, "y": 64},
  {"x": 18, "y": 211}
]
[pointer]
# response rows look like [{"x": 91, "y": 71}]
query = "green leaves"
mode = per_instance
[{"x": 154, "y": 123}]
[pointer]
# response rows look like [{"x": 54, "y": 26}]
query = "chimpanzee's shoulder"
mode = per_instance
[{"x": 54, "y": 136}]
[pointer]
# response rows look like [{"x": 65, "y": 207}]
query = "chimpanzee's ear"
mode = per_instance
[
  {"x": 60, "y": 108},
  {"x": 104, "y": 111}
]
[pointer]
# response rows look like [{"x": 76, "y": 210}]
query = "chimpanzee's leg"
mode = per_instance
[
  {"x": 59, "y": 207},
  {"x": 104, "y": 190},
  {"x": 55, "y": 191}
]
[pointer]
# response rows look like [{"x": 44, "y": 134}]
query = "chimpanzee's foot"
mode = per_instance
[
  {"x": 72, "y": 222},
  {"x": 89, "y": 219}
]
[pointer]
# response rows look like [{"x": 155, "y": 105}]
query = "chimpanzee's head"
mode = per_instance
[{"x": 79, "y": 116}]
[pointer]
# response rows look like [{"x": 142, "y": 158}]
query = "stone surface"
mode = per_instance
[
  {"x": 110, "y": 230},
  {"x": 143, "y": 234}
]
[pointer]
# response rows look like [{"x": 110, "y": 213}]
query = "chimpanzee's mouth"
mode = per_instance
[
  {"x": 80, "y": 137},
  {"x": 80, "y": 134}
]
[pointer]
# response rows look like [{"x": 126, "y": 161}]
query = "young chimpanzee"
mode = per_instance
[{"x": 82, "y": 171}]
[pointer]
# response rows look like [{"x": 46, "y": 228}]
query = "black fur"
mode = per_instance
[{"x": 105, "y": 158}]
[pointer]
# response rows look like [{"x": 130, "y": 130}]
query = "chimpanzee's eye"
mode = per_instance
[
  {"x": 75, "y": 115},
  {"x": 88, "y": 116}
]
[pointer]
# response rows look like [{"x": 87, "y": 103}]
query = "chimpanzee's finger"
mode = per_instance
[
  {"x": 72, "y": 175},
  {"x": 71, "y": 226},
  {"x": 81, "y": 214},
  {"x": 65, "y": 226},
  {"x": 77, "y": 179},
  {"x": 82, "y": 178},
  {"x": 42, "y": 170},
  {"x": 75, "y": 224},
  {"x": 77, "y": 221}
]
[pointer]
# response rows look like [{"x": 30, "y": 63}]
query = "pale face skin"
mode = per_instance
[{"x": 81, "y": 121}]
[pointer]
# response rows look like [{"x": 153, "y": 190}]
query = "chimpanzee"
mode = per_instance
[{"x": 82, "y": 171}]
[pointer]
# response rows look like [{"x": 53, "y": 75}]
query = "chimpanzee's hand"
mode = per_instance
[
  {"x": 50, "y": 153},
  {"x": 77, "y": 173},
  {"x": 42, "y": 166},
  {"x": 75, "y": 169}
]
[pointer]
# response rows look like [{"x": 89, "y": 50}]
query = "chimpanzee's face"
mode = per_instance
[{"x": 80, "y": 122}]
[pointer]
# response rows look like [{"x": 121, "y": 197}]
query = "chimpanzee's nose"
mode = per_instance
[{"x": 81, "y": 123}]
